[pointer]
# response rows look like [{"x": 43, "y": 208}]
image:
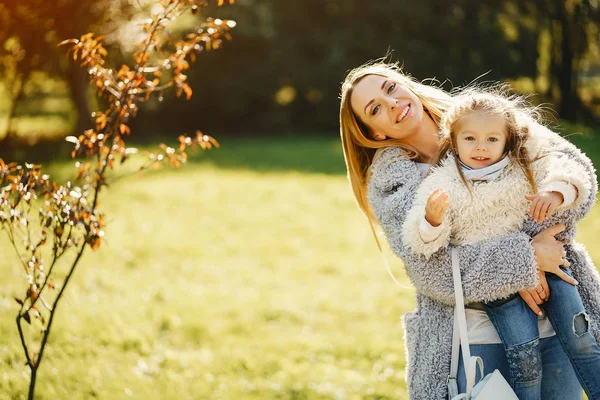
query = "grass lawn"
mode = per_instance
[{"x": 248, "y": 274}]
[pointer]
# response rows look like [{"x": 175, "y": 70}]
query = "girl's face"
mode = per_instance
[
  {"x": 387, "y": 108},
  {"x": 480, "y": 139}
]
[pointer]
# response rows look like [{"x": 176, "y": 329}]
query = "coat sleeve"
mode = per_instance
[{"x": 491, "y": 269}]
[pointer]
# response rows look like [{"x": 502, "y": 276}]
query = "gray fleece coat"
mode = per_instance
[{"x": 491, "y": 269}]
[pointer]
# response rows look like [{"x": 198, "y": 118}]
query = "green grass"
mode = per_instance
[
  {"x": 220, "y": 281},
  {"x": 248, "y": 274}
]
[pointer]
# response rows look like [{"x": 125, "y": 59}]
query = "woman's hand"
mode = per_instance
[
  {"x": 535, "y": 297},
  {"x": 550, "y": 253}
]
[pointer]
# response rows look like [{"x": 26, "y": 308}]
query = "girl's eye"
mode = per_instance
[
  {"x": 375, "y": 110},
  {"x": 470, "y": 138},
  {"x": 493, "y": 139},
  {"x": 391, "y": 88}
]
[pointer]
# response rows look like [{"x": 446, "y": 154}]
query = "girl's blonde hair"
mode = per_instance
[
  {"x": 360, "y": 148},
  {"x": 494, "y": 101}
]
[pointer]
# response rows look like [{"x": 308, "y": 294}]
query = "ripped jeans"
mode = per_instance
[
  {"x": 517, "y": 327},
  {"x": 559, "y": 381}
]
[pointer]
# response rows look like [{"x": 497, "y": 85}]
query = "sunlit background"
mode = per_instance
[{"x": 250, "y": 272}]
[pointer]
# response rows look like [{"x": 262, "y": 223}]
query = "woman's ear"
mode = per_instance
[{"x": 378, "y": 136}]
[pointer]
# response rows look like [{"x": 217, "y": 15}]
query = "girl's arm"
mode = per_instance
[
  {"x": 568, "y": 164},
  {"x": 491, "y": 269},
  {"x": 417, "y": 234},
  {"x": 555, "y": 171},
  {"x": 585, "y": 200}
]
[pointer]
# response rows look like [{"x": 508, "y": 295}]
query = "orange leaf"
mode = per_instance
[
  {"x": 124, "y": 129},
  {"x": 214, "y": 142},
  {"x": 95, "y": 243},
  {"x": 101, "y": 121},
  {"x": 188, "y": 91},
  {"x": 74, "y": 41}
]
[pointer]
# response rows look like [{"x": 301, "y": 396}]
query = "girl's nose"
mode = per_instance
[{"x": 481, "y": 146}]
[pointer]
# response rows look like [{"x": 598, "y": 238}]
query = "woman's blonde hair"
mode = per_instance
[
  {"x": 513, "y": 109},
  {"x": 360, "y": 148}
]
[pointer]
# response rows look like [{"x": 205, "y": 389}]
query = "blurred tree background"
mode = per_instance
[
  {"x": 282, "y": 72},
  {"x": 251, "y": 273}
]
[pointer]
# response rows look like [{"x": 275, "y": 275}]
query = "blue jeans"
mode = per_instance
[
  {"x": 558, "y": 382},
  {"x": 518, "y": 329}
]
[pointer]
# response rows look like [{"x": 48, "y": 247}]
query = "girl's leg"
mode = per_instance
[
  {"x": 567, "y": 315},
  {"x": 559, "y": 381},
  {"x": 517, "y": 327},
  {"x": 493, "y": 357}
]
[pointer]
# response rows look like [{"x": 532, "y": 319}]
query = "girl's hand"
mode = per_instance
[
  {"x": 543, "y": 204},
  {"x": 550, "y": 253},
  {"x": 535, "y": 297},
  {"x": 437, "y": 205}
]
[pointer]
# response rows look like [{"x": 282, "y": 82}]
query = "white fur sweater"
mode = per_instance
[{"x": 496, "y": 207}]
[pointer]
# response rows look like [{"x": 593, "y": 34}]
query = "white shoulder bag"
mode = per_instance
[{"x": 493, "y": 386}]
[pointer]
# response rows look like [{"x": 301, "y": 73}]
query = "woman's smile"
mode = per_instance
[{"x": 403, "y": 114}]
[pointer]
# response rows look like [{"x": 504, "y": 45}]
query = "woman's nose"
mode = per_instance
[{"x": 393, "y": 104}]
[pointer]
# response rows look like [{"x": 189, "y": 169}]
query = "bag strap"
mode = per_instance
[{"x": 460, "y": 338}]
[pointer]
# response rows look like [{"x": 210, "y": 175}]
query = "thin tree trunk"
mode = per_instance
[
  {"x": 554, "y": 61},
  {"x": 32, "y": 383},
  {"x": 568, "y": 96},
  {"x": 78, "y": 85},
  {"x": 12, "y": 111}
]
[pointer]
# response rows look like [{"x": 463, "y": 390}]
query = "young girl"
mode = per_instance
[{"x": 490, "y": 177}]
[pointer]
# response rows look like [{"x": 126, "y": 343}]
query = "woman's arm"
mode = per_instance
[{"x": 491, "y": 269}]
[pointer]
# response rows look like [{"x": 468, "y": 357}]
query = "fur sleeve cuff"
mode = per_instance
[
  {"x": 429, "y": 232},
  {"x": 568, "y": 191},
  {"x": 411, "y": 233},
  {"x": 573, "y": 175}
]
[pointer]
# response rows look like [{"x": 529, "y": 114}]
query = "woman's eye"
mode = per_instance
[
  {"x": 375, "y": 110},
  {"x": 391, "y": 88}
]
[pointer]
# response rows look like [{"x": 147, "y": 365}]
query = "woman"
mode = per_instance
[{"x": 389, "y": 125}]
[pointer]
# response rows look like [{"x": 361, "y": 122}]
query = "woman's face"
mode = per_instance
[{"x": 388, "y": 109}]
